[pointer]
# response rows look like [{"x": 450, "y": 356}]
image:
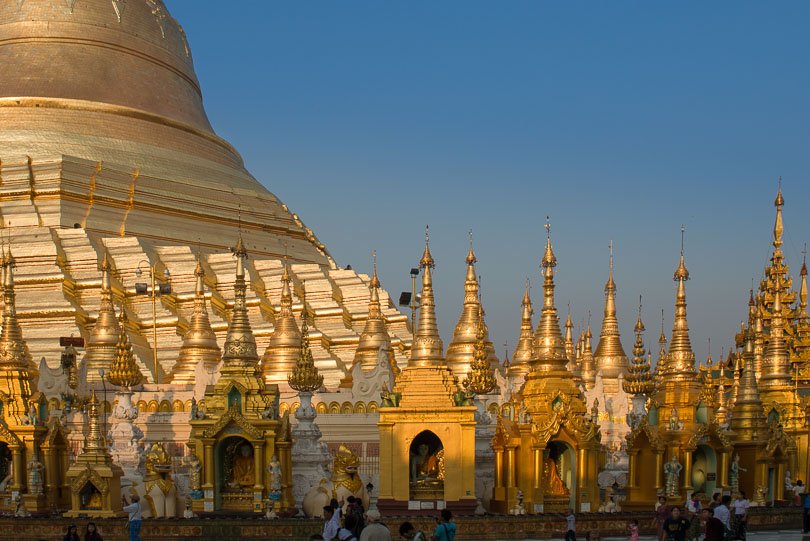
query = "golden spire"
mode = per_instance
[
  {"x": 374, "y": 337},
  {"x": 427, "y": 344},
  {"x": 461, "y": 348},
  {"x": 588, "y": 370},
  {"x": 776, "y": 364},
  {"x": 569, "y": 338},
  {"x": 747, "y": 414},
  {"x": 101, "y": 345},
  {"x": 94, "y": 442},
  {"x": 610, "y": 359},
  {"x": 639, "y": 380},
  {"x": 239, "y": 356},
  {"x": 681, "y": 358},
  {"x": 304, "y": 377},
  {"x": 14, "y": 352},
  {"x": 481, "y": 378},
  {"x": 778, "y": 228},
  {"x": 123, "y": 370},
  {"x": 283, "y": 350},
  {"x": 661, "y": 366},
  {"x": 524, "y": 353},
  {"x": 200, "y": 341},
  {"x": 549, "y": 347}
]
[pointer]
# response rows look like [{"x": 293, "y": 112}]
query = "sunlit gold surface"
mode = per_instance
[
  {"x": 524, "y": 351},
  {"x": 304, "y": 377},
  {"x": 131, "y": 170},
  {"x": 123, "y": 370},
  {"x": 461, "y": 349},
  {"x": 428, "y": 348},
  {"x": 200, "y": 342},
  {"x": 285, "y": 344},
  {"x": 610, "y": 358}
]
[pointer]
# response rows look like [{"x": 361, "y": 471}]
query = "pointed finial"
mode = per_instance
[
  {"x": 375, "y": 281},
  {"x": 471, "y": 259},
  {"x": 681, "y": 273},
  {"x": 549, "y": 260},
  {"x": 639, "y": 328},
  {"x": 780, "y": 201},
  {"x": 427, "y": 259}
]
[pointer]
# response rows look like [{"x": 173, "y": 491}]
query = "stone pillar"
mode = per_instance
[{"x": 310, "y": 455}]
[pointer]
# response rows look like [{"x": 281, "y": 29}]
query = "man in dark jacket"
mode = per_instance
[{"x": 715, "y": 531}]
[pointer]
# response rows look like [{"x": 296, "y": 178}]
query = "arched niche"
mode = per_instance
[
  {"x": 704, "y": 470},
  {"x": 560, "y": 475},
  {"x": 235, "y": 466},
  {"x": 426, "y": 467}
]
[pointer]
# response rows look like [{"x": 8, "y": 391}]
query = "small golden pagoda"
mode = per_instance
[
  {"x": 524, "y": 351},
  {"x": 748, "y": 426},
  {"x": 375, "y": 338},
  {"x": 282, "y": 351},
  {"x": 237, "y": 432},
  {"x": 100, "y": 348},
  {"x": 23, "y": 412},
  {"x": 460, "y": 350},
  {"x": 123, "y": 371},
  {"x": 199, "y": 342},
  {"x": 588, "y": 363},
  {"x": 610, "y": 359},
  {"x": 680, "y": 444},
  {"x": 427, "y": 442},
  {"x": 547, "y": 458},
  {"x": 95, "y": 481}
]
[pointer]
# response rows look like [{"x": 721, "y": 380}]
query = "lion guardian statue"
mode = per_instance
[{"x": 345, "y": 482}]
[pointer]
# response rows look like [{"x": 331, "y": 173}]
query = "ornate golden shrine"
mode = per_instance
[
  {"x": 95, "y": 482},
  {"x": 681, "y": 433},
  {"x": 237, "y": 432},
  {"x": 427, "y": 439},
  {"x": 33, "y": 451},
  {"x": 547, "y": 456}
]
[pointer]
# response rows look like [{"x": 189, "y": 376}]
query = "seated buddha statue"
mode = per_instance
[
  {"x": 243, "y": 474},
  {"x": 554, "y": 484},
  {"x": 425, "y": 465}
]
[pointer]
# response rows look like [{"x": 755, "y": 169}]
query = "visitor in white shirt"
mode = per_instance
[
  {"x": 332, "y": 523},
  {"x": 741, "y": 505},
  {"x": 722, "y": 513},
  {"x": 134, "y": 510}
]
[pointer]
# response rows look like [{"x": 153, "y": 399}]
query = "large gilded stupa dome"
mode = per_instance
[{"x": 106, "y": 149}]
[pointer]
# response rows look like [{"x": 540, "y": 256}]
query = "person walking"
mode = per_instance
[
  {"x": 633, "y": 527},
  {"x": 445, "y": 529},
  {"x": 741, "y": 505},
  {"x": 375, "y": 530},
  {"x": 723, "y": 513},
  {"x": 676, "y": 526},
  {"x": 806, "y": 514},
  {"x": 661, "y": 515},
  {"x": 134, "y": 523},
  {"x": 715, "y": 531},
  {"x": 331, "y": 523},
  {"x": 570, "y": 526}
]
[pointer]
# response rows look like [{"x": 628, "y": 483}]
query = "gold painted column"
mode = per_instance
[
  {"x": 19, "y": 468},
  {"x": 632, "y": 469},
  {"x": 498, "y": 467},
  {"x": 208, "y": 471},
  {"x": 258, "y": 466},
  {"x": 51, "y": 473},
  {"x": 510, "y": 468},
  {"x": 582, "y": 475},
  {"x": 659, "y": 470},
  {"x": 538, "y": 469},
  {"x": 723, "y": 477},
  {"x": 687, "y": 471}
]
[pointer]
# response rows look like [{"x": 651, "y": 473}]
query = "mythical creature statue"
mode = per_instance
[
  {"x": 35, "y": 469},
  {"x": 672, "y": 472},
  {"x": 734, "y": 477},
  {"x": 345, "y": 482},
  {"x": 158, "y": 488}
]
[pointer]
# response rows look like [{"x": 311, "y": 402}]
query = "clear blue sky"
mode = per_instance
[{"x": 620, "y": 120}]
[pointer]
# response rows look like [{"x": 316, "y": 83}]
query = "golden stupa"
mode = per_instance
[{"x": 107, "y": 152}]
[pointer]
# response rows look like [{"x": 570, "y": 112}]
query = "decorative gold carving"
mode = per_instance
[
  {"x": 123, "y": 370},
  {"x": 305, "y": 377},
  {"x": 92, "y": 476},
  {"x": 233, "y": 416}
]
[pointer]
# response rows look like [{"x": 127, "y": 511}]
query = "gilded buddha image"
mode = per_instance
[{"x": 240, "y": 473}]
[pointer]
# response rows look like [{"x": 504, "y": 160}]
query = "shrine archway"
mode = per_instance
[
  {"x": 704, "y": 470},
  {"x": 426, "y": 467},
  {"x": 560, "y": 474},
  {"x": 235, "y": 474}
]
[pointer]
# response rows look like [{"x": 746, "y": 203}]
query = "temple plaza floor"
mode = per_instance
[{"x": 766, "y": 524}]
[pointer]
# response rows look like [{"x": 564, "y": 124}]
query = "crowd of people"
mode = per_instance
[
  {"x": 353, "y": 523},
  {"x": 723, "y": 519}
]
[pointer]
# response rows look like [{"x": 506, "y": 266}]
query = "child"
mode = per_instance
[
  {"x": 570, "y": 532},
  {"x": 634, "y": 530}
]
